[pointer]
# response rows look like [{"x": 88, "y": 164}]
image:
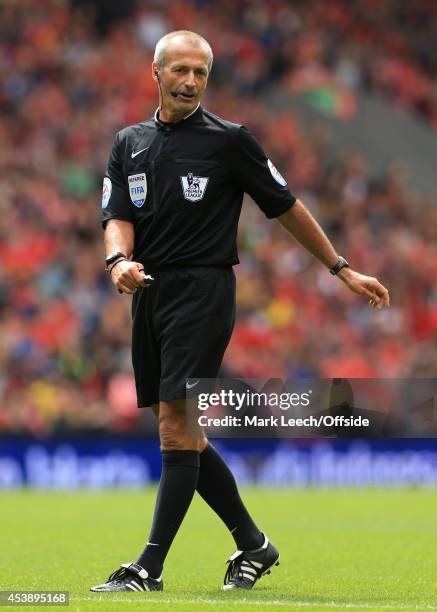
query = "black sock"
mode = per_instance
[
  {"x": 218, "y": 488},
  {"x": 180, "y": 472}
]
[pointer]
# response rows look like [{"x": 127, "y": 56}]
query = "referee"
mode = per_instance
[{"x": 171, "y": 201}]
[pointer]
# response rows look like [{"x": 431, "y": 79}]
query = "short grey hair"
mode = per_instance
[{"x": 191, "y": 37}]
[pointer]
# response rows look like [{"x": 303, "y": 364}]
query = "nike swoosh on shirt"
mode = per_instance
[{"x": 137, "y": 152}]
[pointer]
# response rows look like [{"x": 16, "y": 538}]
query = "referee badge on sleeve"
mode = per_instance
[
  {"x": 137, "y": 188},
  {"x": 194, "y": 187}
]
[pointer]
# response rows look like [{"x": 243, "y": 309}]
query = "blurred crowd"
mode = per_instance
[{"x": 67, "y": 84}]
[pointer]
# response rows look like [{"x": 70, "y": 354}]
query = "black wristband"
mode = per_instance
[
  {"x": 341, "y": 263},
  {"x": 113, "y": 257},
  {"x": 114, "y": 264}
]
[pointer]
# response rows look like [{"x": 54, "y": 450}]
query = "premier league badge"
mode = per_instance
[
  {"x": 138, "y": 188},
  {"x": 276, "y": 174},
  {"x": 107, "y": 190},
  {"x": 194, "y": 187}
]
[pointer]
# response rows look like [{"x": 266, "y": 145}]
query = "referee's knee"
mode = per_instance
[{"x": 173, "y": 433}]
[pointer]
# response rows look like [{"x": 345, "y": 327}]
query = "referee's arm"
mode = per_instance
[
  {"x": 126, "y": 275},
  {"x": 299, "y": 222},
  {"x": 117, "y": 220}
]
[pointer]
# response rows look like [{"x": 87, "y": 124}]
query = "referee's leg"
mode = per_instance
[
  {"x": 180, "y": 473},
  {"x": 179, "y": 477},
  {"x": 215, "y": 484}
]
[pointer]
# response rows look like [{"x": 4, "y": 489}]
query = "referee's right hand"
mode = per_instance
[{"x": 128, "y": 276}]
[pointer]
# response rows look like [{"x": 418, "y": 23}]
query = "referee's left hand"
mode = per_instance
[
  {"x": 368, "y": 286},
  {"x": 128, "y": 276}
]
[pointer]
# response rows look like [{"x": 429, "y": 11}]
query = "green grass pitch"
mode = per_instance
[{"x": 340, "y": 549}]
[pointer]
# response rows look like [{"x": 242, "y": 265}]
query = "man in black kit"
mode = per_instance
[{"x": 171, "y": 202}]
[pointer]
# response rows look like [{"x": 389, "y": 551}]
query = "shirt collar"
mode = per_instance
[{"x": 194, "y": 114}]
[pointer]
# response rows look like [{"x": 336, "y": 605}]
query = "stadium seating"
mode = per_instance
[{"x": 67, "y": 87}]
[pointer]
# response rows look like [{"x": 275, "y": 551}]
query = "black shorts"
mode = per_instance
[{"x": 182, "y": 325}]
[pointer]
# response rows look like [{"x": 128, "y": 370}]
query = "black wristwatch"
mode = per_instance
[
  {"x": 113, "y": 257},
  {"x": 341, "y": 263}
]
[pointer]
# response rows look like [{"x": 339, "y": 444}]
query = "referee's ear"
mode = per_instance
[{"x": 155, "y": 71}]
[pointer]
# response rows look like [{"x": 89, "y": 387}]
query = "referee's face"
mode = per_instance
[{"x": 182, "y": 79}]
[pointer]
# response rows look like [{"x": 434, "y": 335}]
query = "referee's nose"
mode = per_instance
[{"x": 190, "y": 81}]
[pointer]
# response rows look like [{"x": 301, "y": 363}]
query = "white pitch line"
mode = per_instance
[{"x": 267, "y": 602}]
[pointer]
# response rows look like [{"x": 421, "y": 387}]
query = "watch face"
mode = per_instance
[{"x": 342, "y": 263}]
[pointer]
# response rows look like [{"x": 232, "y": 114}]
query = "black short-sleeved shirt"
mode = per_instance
[{"x": 182, "y": 187}]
